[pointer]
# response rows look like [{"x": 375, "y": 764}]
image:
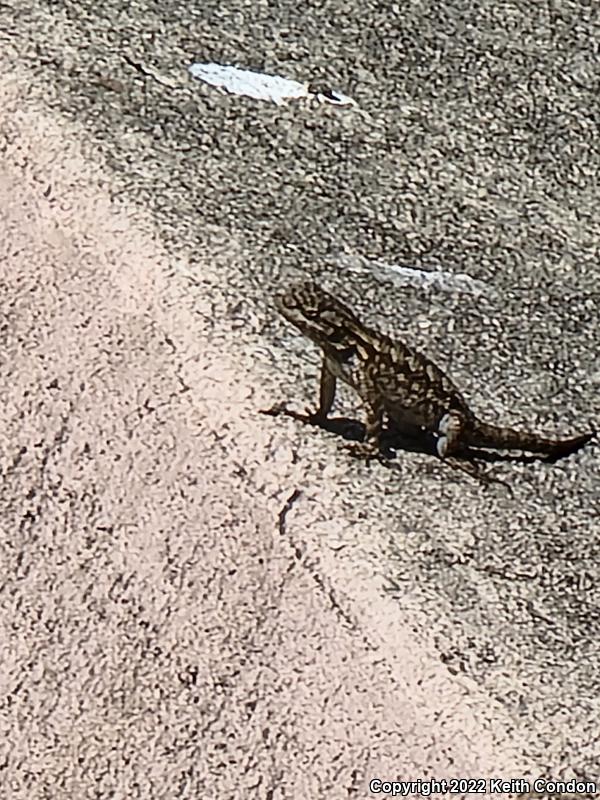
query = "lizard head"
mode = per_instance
[{"x": 315, "y": 312}]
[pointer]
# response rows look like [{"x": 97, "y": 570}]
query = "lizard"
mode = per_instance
[{"x": 394, "y": 379}]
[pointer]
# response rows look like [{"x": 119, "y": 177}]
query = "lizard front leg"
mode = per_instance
[
  {"x": 371, "y": 445},
  {"x": 374, "y": 424},
  {"x": 327, "y": 386},
  {"x": 374, "y": 409}
]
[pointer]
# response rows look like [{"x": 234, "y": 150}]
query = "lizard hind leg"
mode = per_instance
[{"x": 450, "y": 430}]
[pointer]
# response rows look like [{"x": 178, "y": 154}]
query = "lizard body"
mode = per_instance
[{"x": 396, "y": 380}]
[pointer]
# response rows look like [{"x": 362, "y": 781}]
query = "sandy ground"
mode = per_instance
[{"x": 193, "y": 596}]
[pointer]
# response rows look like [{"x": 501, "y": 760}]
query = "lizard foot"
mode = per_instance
[
  {"x": 314, "y": 417},
  {"x": 281, "y": 409},
  {"x": 275, "y": 410}
]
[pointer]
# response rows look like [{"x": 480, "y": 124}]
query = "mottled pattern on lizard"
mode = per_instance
[{"x": 396, "y": 380}]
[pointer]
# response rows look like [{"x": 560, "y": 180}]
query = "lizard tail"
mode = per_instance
[{"x": 495, "y": 436}]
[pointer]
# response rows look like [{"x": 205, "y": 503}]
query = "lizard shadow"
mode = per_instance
[{"x": 393, "y": 440}]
